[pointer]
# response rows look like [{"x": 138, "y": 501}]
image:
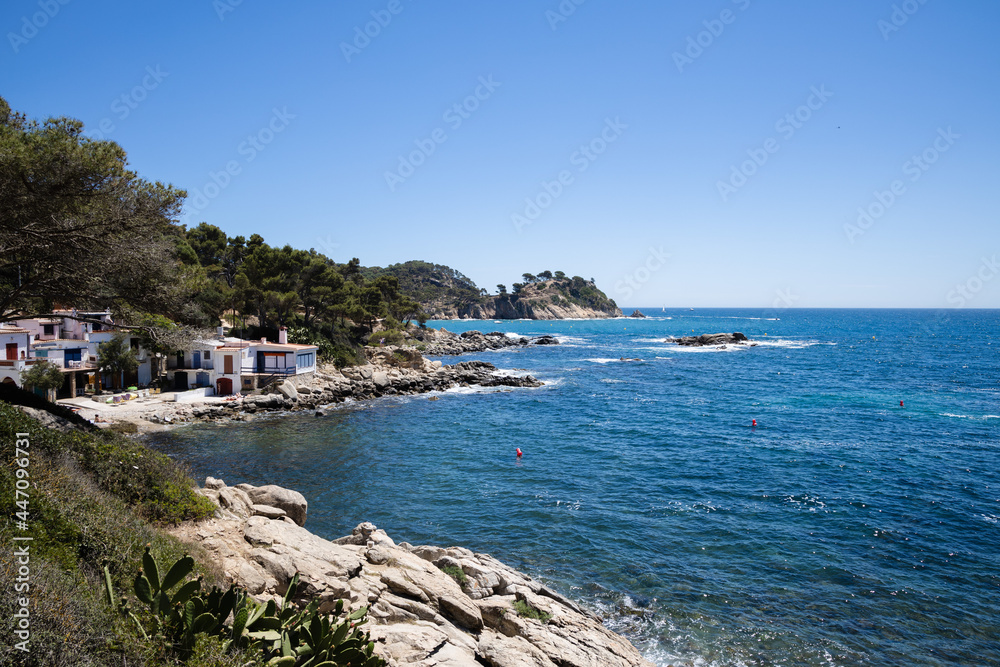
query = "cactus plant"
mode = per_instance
[{"x": 288, "y": 636}]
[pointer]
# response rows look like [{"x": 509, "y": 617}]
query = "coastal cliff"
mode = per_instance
[
  {"x": 554, "y": 299},
  {"x": 428, "y": 605},
  {"x": 446, "y": 294}
]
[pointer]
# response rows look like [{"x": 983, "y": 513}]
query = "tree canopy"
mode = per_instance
[
  {"x": 43, "y": 375},
  {"x": 78, "y": 227}
]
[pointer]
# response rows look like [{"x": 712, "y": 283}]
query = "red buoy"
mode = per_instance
[
  {"x": 900, "y": 404},
  {"x": 519, "y": 452},
  {"x": 754, "y": 422}
]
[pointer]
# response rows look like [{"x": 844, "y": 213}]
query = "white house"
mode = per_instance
[
  {"x": 16, "y": 343},
  {"x": 226, "y": 365},
  {"x": 246, "y": 365}
]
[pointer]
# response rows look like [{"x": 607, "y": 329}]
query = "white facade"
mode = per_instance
[
  {"x": 223, "y": 365},
  {"x": 14, "y": 351}
]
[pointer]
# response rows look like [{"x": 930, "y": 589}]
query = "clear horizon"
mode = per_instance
[{"x": 836, "y": 155}]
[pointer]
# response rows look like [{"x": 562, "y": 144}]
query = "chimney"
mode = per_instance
[
  {"x": 263, "y": 340},
  {"x": 220, "y": 332},
  {"x": 283, "y": 336}
]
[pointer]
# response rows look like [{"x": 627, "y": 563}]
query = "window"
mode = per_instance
[
  {"x": 48, "y": 329},
  {"x": 73, "y": 355},
  {"x": 208, "y": 355},
  {"x": 306, "y": 360}
]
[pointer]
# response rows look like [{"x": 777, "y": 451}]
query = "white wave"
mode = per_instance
[
  {"x": 731, "y": 317},
  {"x": 786, "y": 343},
  {"x": 569, "y": 340},
  {"x": 979, "y": 417},
  {"x": 612, "y": 381},
  {"x": 512, "y": 372},
  {"x": 601, "y": 360},
  {"x": 514, "y": 335}
]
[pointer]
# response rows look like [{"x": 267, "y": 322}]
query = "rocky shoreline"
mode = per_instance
[
  {"x": 440, "y": 342},
  {"x": 428, "y": 605},
  {"x": 390, "y": 371}
]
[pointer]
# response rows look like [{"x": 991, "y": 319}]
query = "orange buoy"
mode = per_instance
[{"x": 519, "y": 452}]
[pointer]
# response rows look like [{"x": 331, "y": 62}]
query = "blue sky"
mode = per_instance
[{"x": 685, "y": 154}]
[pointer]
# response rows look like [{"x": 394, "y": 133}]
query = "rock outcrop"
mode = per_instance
[
  {"x": 440, "y": 342},
  {"x": 428, "y": 605},
  {"x": 637, "y": 313},
  {"x": 735, "y": 338},
  {"x": 554, "y": 299}
]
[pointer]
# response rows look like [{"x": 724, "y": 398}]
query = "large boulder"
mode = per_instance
[
  {"x": 288, "y": 390},
  {"x": 293, "y": 502},
  {"x": 711, "y": 339}
]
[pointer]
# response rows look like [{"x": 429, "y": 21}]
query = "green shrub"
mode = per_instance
[
  {"x": 455, "y": 573},
  {"x": 525, "y": 610},
  {"x": 149, "y": 481}
]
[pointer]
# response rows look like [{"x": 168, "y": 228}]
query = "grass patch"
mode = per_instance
[
  {"x": 155, "y": 487},
  {"x": 525, "y": 610},
  {"x": 455, "y": 573}
]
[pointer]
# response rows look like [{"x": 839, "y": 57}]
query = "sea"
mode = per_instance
[{"x": 855, "y": 524}]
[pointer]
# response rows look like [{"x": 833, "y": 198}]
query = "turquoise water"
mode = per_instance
[{"x": 844, "y": 529}]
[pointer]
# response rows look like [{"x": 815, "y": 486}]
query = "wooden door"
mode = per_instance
[
  {"x": 11, "y": 351},
  {"x": 228, "y": 364}
]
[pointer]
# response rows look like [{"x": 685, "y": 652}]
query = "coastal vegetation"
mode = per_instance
[
  {"x": 94, "y": 499},
  {"x": 97, "y": 505}
]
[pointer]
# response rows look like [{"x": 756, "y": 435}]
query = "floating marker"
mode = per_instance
[
  {"x": 900, "y": 404},
  {"x": 519, "y": 452},
  {"x": 754, "y": 423}
]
